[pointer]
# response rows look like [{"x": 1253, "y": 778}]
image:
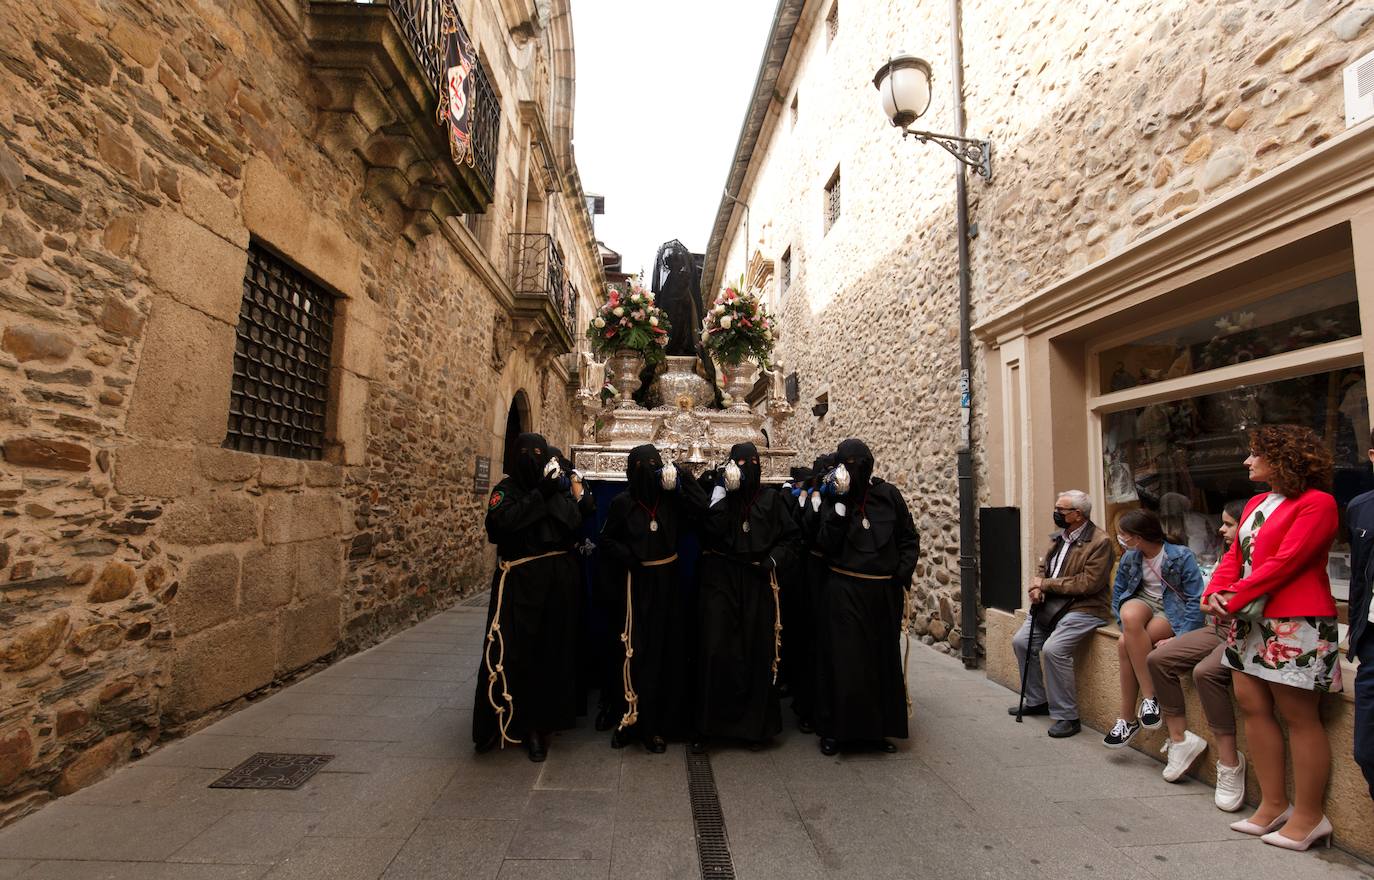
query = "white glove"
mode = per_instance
[
  {"x": 840, "y": 508},
  {"x": 842, "y": 479},
  {"x": 668, "y": 477},
  {"x": 732, "y": 476},
  {"x": 816, "y": 501},
  {"x": 552, "y": 470},
  {"x": 717, "y": 495}
]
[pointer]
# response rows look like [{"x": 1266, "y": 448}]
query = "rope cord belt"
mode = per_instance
[
  {"x": 505, "y": 710},
  {"x": 906, "y": 624},
  {"x": 627, "y": 636},
  {"x": 777, "y": 606}
]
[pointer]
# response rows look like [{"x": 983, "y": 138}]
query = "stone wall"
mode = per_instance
[
  {"x": 150, "y": 576},
  {"x": 1108, "y": 121}
]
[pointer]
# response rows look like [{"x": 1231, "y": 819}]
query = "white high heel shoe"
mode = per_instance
[
  {"x": 1322, "y": 831},
  {"x": 1245, "y": 826}
]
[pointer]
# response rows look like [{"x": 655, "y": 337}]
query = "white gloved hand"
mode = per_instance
[
  {"x": 732, "y": 476},
  {"x": 816, "y": 501},
  {"x": 668, "y": 477},
  {"x": 553, "y": 470},
  {"x": 717, "y": 495},
  {"x": 840, "y": 509},
  {"x": 842, "y": 479}
]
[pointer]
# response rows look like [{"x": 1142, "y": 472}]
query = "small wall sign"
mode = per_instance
[{"x": 481, "y": 478}]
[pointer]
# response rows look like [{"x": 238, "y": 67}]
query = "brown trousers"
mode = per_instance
[{"x": 1198, "y": 652}]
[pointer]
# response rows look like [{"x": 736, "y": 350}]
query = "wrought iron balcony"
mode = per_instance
[
  {"x": 537, "y": 271},
  {"x": 382, "y": 72}
]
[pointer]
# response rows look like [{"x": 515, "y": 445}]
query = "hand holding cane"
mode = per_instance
[{"x": 1030, "y": 647}]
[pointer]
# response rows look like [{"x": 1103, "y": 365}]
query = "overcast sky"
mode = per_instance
[{"x": 661, "y": 92}]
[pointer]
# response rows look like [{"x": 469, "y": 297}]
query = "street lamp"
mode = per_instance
[{"x": 903, "y": 84}]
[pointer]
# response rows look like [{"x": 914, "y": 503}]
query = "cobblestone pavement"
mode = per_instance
[{"x": 971, "y": 794}]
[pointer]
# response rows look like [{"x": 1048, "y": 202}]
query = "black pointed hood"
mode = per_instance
[
  {"x": 746, "y": 458},
  {"x": 531, "y": 454},
  {"x": 858, "y": 460},
  {"x": 641, "y": 472}
]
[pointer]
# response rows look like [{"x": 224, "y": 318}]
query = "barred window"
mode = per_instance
[
  {"x": 832, "y": 23},
  {"x": 785, "y": 271},
  {"x": 832, "y": 200},
  {"x": 281, "y": 360}
]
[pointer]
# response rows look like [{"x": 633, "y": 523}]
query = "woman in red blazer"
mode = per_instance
[{"x": 1288, "y": 654}]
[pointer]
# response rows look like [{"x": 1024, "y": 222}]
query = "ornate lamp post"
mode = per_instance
[{"x": 903, "y": 84}]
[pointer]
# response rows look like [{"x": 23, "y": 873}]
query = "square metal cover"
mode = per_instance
[{"x": 273, "y": 770}]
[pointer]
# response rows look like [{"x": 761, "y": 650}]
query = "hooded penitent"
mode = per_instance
[
  {"x": 642, "y": 473},
  {"x": 823, "y": 464},
  {"x": 531, "y": 454},
  {"x": 858, "y": 460},
  {"x": 746, "y": 457}
]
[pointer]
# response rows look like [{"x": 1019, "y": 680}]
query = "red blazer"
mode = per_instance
[{"x": 1288, "y": 560}]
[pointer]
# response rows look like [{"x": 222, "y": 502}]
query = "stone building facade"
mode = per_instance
[
  {"x": 1177, "y": 243},
  {"x": 163, "y": 160}
]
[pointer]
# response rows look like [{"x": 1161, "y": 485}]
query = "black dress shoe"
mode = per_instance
[
  {"x": 1065, "y": 728},
  {"x": 538, "y": 746},
  {"x": 829, "y": 746},
  {"x": 605, "y": 718},
  {"x": 883, "y": 745},
  {"x": 620, "y": 739},
  {"x": 697, "y": 746},
  {"x": 487, "y": 744},
  {"x": 1042, "y": 709},
  {"x": 656, "y": 745},
  {"x": 804, "y": 725}
]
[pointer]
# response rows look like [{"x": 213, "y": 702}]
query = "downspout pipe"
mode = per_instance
[{"x": 968, "y": 489}]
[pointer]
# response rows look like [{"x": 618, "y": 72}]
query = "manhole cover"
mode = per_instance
[{"x": 268, "y": 770}]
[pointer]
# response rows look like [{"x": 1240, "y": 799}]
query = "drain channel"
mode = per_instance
[{"x": 713, "y": 844}]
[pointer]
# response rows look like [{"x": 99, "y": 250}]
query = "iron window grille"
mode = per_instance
[
  {"x": 832, "y": 201},
  {"x": 832, "y": 23},
  {"x": 280, "y": 388},
  {"x": 785, "y": 271}
]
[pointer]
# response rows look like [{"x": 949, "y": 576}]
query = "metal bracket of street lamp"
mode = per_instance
[{"x": 904, "y": 85}]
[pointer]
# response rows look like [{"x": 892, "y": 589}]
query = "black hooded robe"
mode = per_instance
[
  {"x": 658, "y": 666},
  {"x": 860, "y": 691},
  {"x": 736, "y": 696},
  {"x": 798, "y": 627},
  {"x": 528, "y": 516}
]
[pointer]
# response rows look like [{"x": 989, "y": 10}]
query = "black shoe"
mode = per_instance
[
  {"x": 1065, "y": 728},
  {"x": 883, "y": 745},
  {"x": 1122, "y": 733},
  {"x": 1042, "y": 709},
  {"x": 829, "y": 746},
  {"x": 620, "y": 739},
  {"x": 804, "y": 725},
  {"x": 698, "y": 745},
  {"x": 487, "y": 744},
  {"x": 656, "y": 744},
  {"x": 538, "y": 746},
  {"x": 605, "y": 718}
]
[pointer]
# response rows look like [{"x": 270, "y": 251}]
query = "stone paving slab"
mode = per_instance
[{"x": 971, "y": 794}]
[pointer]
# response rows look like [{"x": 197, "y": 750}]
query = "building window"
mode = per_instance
[
  {"x": 832, "y": 23},
  {"x": 785, "y": 271},
  {"x": 796, "y": 113},
  {"x": 832, "y": 200},
  {"x": 281, "y": 360}
]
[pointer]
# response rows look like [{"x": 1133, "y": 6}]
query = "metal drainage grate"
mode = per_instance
[
  {"x": 269, "y": 770},
  {"x": 713, "y": 844}
]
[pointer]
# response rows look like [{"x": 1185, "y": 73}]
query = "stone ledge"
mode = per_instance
[{"x": 1099, "y": 697}]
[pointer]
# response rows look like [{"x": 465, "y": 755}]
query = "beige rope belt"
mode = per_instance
[
  {"x": 906, "y": 624},
  {"x": 627, "y": 636},
  {"x": 777, "y": 607},
  {"x": 505, "y": 711}
]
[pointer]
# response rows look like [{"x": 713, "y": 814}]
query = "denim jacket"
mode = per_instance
[{"x": 1181, "y": 570}]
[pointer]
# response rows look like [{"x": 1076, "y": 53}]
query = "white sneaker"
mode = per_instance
[
  {"x": 1182, "y": 755},
  {"x": 1231, "y": 786}
]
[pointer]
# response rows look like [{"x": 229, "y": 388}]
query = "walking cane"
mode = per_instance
[{"x": 1030, "y": 653}]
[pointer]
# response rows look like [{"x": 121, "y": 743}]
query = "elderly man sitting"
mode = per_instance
[{"x": 1070, "y": 598}]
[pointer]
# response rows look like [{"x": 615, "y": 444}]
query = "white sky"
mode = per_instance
[{"x": 662, "y": 88}]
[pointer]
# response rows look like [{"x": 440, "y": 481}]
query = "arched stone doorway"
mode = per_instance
[{"x": 517, "y": 423}]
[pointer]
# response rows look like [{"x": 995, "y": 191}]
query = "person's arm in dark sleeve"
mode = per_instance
[
  {"x": 833, "y": 527},
  {"x": 786, "y": 551},
  {"x": 908, "y": 542},
  {"x": 615, "y": 532},
  {"x": 510, "y": 511}
]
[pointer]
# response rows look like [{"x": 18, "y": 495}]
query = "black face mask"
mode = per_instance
[
  {"x": 746, "y": 458},
  {"x": 1061, "y": 520},
  {"x": 858, "y": 460},
  {"x": 642, "y": 473},
  {"x": 531, "y": 454}
]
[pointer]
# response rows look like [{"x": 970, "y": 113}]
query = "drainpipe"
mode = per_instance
[{"x": 968, "y": 489}]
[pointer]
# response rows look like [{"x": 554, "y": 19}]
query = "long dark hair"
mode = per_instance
[{"x": 1143, "y": 524}]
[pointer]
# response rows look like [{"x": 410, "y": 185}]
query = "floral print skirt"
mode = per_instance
[{"x": 1301, "y": 652}]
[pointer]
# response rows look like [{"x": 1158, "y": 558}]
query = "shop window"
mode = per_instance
[
  {"x": 1301, "y": 317},
  {"x": 280, "y": 386},
  {"x": 1185, "y": 458}
]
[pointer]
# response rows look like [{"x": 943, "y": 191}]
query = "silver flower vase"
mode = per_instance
[
  {"x": 624, "y": 367},
  {"x": 739, "y": 381}
]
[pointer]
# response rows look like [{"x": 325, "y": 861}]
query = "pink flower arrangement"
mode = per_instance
[
  {"x": 737, "y": 327},
  {"x": 629, "y": 319}
]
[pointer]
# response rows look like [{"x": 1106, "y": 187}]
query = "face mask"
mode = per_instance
[{"x": 1061, "y": 520}]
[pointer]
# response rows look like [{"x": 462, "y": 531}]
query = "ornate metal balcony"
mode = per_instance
[
  {"x": 381, "y": 75},
  {"x": 538, "y": 274}
]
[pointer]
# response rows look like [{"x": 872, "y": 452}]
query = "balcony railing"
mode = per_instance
[
  {"x": 421, "y": 23},
  {"x": 537, "y": 270}
]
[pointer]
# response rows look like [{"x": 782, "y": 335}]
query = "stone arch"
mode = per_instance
[
  {"x": 518, "y": 421},
  {"x": 517, "y": 378}
]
